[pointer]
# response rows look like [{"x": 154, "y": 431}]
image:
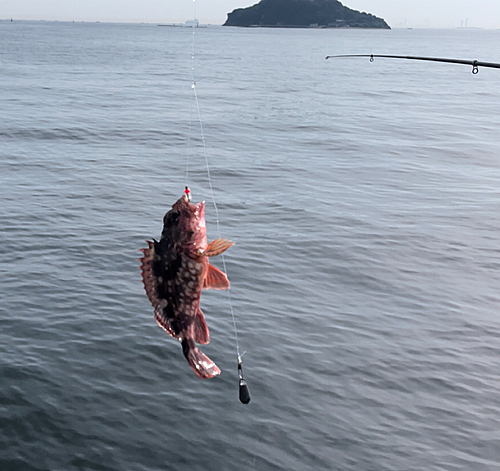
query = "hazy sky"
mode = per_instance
[{"x": 409, "y": 13}]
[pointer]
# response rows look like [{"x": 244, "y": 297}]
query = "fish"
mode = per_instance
[{"x": 174, "y": 272}]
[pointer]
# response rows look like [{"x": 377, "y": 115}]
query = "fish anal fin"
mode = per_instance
[
  {"x": 216, "y": 247},
  {"x": 215, "y": 279},
  {"x": 201, "y": 334}
]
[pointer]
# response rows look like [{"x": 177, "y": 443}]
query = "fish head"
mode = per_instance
[{"x": 185, "y": 224}]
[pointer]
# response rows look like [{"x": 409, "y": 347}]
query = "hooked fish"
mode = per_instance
[{"x": 174, "y": 272}]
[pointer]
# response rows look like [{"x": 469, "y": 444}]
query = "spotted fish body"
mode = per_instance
[{"x": 175, "y": 270}]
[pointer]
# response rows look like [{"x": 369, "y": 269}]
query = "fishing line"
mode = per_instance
[
  {"x": 191, "y": 104},
  {"x": 244, "y": 392},
  {"x": 188, "y": 149},
  {"x": 474, "y": 63}
]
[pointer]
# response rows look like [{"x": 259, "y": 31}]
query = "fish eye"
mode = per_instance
[{"x": 171, "y": 217}]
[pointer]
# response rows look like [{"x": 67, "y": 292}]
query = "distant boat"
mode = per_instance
[{"x": 187, "y": 24}]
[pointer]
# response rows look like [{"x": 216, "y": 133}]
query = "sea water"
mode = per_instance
[{"x": 363, "y": 199}]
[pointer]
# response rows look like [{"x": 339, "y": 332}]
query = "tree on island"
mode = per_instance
[{"x": 303, "y": 13}]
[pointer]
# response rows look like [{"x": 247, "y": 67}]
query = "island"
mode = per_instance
[{"x": 303, "y": 14}]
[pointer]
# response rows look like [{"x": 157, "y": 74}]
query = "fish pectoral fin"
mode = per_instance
[
  {"x": 216, "y": 247},
  {"x": 215, "y": 279},
  {"x": 201, "y": 334}
]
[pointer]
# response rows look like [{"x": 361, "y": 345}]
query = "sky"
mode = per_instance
[{"x": 398, "y": 13}]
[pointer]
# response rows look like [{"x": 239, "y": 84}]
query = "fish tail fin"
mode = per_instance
[{"x": 198, "y": 361}]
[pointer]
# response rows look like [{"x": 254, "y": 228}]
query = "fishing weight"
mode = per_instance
[{"x": 244, "y": 390}]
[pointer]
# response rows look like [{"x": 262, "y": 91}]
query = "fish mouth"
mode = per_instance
[
  {"x": 194, "y": 210},
  {"x": 192, "y": 216}
]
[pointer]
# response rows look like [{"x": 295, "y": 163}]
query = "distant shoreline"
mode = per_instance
[
  {"x": 304, "y": 27},
  {"x": 216, "y": 25}
]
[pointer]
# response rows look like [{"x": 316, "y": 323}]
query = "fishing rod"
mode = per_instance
[{"x": 475, "y": 64}]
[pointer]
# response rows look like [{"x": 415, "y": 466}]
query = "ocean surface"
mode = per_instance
[{"x": 364, "y": 202}]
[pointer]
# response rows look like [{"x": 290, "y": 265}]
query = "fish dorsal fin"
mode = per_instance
[
  {"x": 216, "y": 247},
  {"x": 148, "y": 277},
  {"x": 201, "y": 334},
  {"x": 150, "y": 285},
  {"x": 163, "y": 322},
  {"x": 215, "y": 279}
]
